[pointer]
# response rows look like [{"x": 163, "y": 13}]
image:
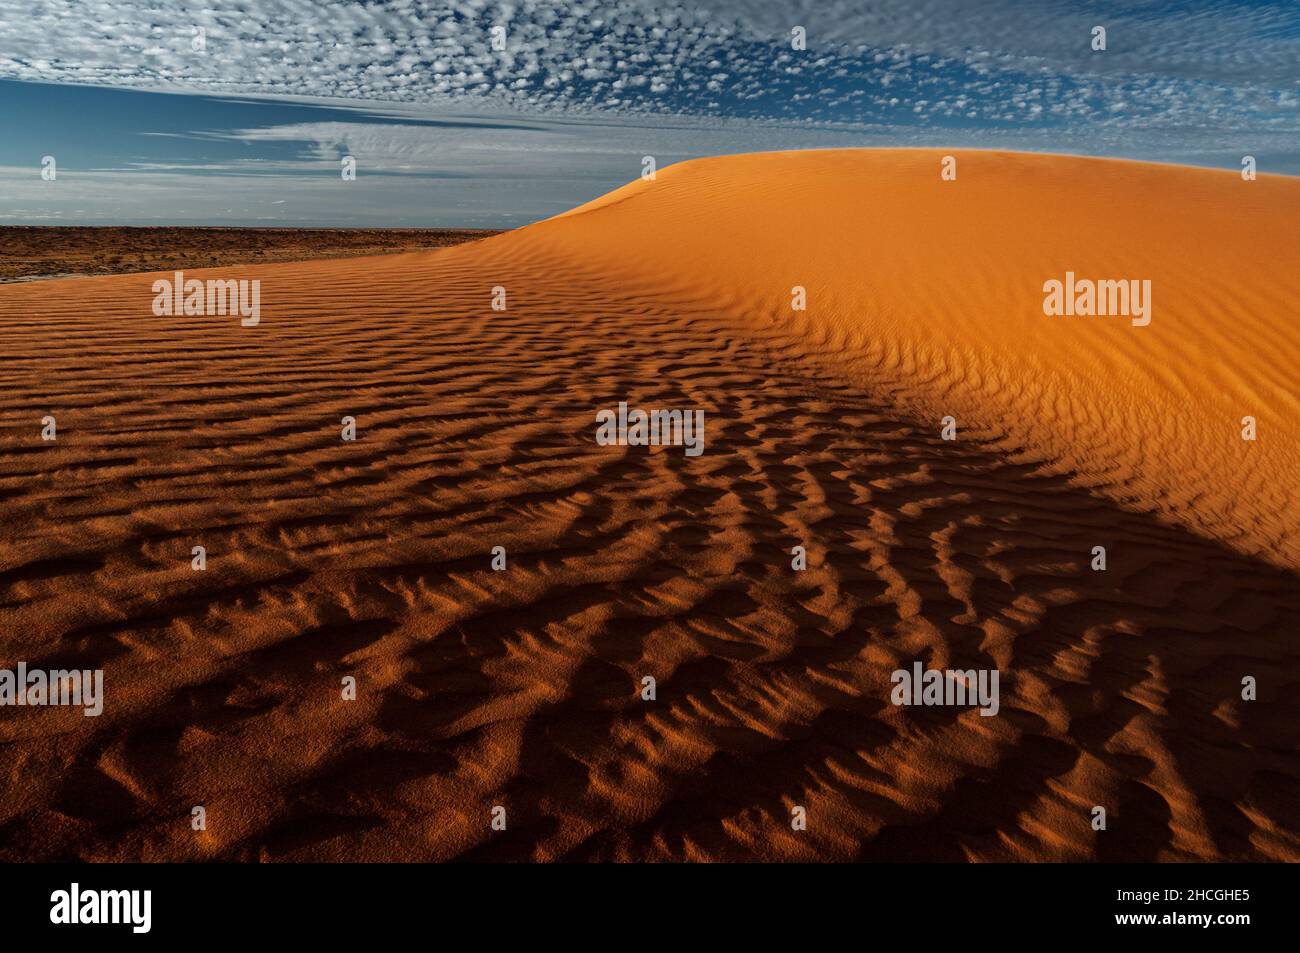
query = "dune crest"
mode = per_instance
[{"x": 931, "y": 294}]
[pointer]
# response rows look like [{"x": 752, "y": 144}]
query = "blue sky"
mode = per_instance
[{"x": 150, "y": 126}]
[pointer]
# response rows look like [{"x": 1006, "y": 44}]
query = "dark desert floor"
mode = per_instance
[{"x": 30, "y": 252}]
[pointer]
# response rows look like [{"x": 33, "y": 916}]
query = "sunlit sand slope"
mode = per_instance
[{"x": 936, "y": 289}]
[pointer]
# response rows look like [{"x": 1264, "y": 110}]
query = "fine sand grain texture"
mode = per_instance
[{"x": 476, "y": 428}]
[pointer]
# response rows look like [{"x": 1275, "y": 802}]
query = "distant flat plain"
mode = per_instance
[{"x": 58, "y": 251}]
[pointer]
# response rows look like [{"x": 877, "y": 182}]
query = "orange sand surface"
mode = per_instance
[{"x": 476, "y": 428}]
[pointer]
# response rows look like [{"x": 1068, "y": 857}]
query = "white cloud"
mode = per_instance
[{"x": 640, "y": 55}]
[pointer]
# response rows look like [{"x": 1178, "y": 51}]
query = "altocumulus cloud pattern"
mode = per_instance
[{"x": 897, "y": 63}]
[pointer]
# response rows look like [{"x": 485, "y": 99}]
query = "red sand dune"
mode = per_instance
[{"x": 476, "y": 428}]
